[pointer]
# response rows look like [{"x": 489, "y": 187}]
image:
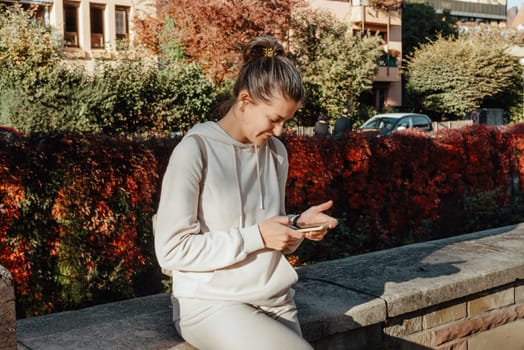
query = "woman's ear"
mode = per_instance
[{"x": 244, "y": 99}]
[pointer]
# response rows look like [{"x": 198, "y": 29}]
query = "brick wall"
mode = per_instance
[{"x": 464, "y": 324}]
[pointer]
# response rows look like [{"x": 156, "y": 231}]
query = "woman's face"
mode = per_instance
[{"x": 263, "y": 120}]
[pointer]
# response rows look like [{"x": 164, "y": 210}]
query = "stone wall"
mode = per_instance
[
  {"x": 7, "y": 311},
  {"x": 460, "y": 293}
]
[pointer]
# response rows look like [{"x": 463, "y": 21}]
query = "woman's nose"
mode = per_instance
[{"x": 278, "y": 128}]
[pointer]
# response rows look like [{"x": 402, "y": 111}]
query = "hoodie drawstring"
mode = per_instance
[
  {"x": 260, "y": 194},
  {"x": 239, "y": 193}
]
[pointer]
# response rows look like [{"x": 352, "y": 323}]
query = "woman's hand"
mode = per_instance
[
  {"x": 277, "y": 234},
  {"x": 316, "y": 215}
]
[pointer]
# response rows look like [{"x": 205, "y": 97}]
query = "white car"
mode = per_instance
[{"x": 386, "y": 123}]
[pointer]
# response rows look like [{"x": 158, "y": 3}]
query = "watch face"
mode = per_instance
[{"x": 293, "y": 219}]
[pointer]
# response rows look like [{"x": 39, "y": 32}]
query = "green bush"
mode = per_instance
[
  {"x": 26, "y": 47},
  {"x": 130, "y": 95},
  {"x": 56, "y": 102}
]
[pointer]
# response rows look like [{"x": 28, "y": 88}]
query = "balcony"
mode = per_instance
[
  {"x": 373, "y": 16},
  {"x": 387, "y": 69}
]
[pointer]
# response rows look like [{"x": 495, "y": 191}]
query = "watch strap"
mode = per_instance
[{"x": 294, "y": 219}]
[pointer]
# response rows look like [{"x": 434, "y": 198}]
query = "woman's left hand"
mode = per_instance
[{"x": 316, "y": 215}]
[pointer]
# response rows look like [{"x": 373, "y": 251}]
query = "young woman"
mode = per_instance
[{"x": 221, "y": 226}]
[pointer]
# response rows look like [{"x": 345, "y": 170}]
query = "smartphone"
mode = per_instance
[{"x": 316, "y": 227}]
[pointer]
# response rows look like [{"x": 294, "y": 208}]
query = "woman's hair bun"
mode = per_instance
[{"x": 262, "y": 47}]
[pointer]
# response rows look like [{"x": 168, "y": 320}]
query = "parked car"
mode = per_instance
[
  {"x": 9, "y": 133},
  {"x": 386, "y": 123}
]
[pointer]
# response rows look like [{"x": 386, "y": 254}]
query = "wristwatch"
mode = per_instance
[{"x": 294, "y": 219}]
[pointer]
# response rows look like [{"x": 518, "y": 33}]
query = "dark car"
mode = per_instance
[{"x": 386, "y": 123}]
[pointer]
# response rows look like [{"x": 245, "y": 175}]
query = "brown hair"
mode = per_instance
[{"x": 266, "y": 70}]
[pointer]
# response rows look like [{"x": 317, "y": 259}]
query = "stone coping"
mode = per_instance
[{"x": 332, "y": 297}]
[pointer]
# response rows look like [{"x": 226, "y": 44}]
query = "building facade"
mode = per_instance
[
  {"x": 90, "y": 28},
  {"x": 488, "y": 11},
  {"x": 361, "y": 17}
]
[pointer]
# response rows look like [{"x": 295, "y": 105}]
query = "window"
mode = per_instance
[
  {"x": 70, "y": 25},
  {"x": 421, "y": 123},
  {"x": 404, "y": 123},
  {"x": 122, "y": 24},
  {"x": 97, "y": 26}
]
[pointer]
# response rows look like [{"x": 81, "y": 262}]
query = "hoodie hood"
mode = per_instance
[{"x": 213, "y": 132}]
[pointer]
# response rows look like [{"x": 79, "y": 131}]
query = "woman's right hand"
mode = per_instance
[{"x": 277, "y": 234}]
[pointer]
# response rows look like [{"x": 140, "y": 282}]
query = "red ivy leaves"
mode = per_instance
[
  {"x": 313, "y": 165},
  {"x": 98, "y": 194},
  {"x": 403, "y": 182},
  {"x": 12, "y": 196},
  {"x": 107, "y": 189},
  {"x": 515, "y": 137}
]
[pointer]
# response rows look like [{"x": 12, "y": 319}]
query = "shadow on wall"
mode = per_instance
[{"x": 346, "y": 301}]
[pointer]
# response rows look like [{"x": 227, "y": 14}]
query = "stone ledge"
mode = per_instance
[
  {"x": 140, "y": 323},
  {"x": 417, "y": 276},
  {"x": 334, "y": 298},
  {"x": 7, "y": 311}
]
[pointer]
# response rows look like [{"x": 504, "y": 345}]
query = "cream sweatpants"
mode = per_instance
[{"x": 225, "y": 325}]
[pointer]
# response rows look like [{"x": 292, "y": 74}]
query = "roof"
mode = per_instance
[{"x": 397, "y": 115}]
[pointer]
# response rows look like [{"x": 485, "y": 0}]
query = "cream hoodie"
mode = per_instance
[{"x": 206, "y": 227}]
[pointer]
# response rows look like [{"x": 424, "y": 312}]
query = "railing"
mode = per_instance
[{"x": 387, "y": 61}]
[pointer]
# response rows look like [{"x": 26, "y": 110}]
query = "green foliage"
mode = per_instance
[
  {"x": 186, "y": 96},
  {"x": 55, "y": 102},
  {"x": 483, "y": 211},
  {"x": 421, "y": 24},
  {"x": 26, "y": 47},
  {"x": 130, "y": 95},
  {"x": 121, "y": 96},
  {"x": 135, "y": 96},
  {"x": 336, "y": 66},
  {"x": 29, "y": 62},
  {"x": 516, "y": 111},
  {"x": 455, "y": 76}
]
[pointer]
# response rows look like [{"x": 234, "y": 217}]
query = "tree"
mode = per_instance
[
  {"x": 452, "y": 76},
  {"x": 30, "y": 55},
  {"x": 213, "y": 32},
  {"x": 26, "y": 47},
  {"x": 421, "y": 24},
  {"x": 336, "y": 65}
]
